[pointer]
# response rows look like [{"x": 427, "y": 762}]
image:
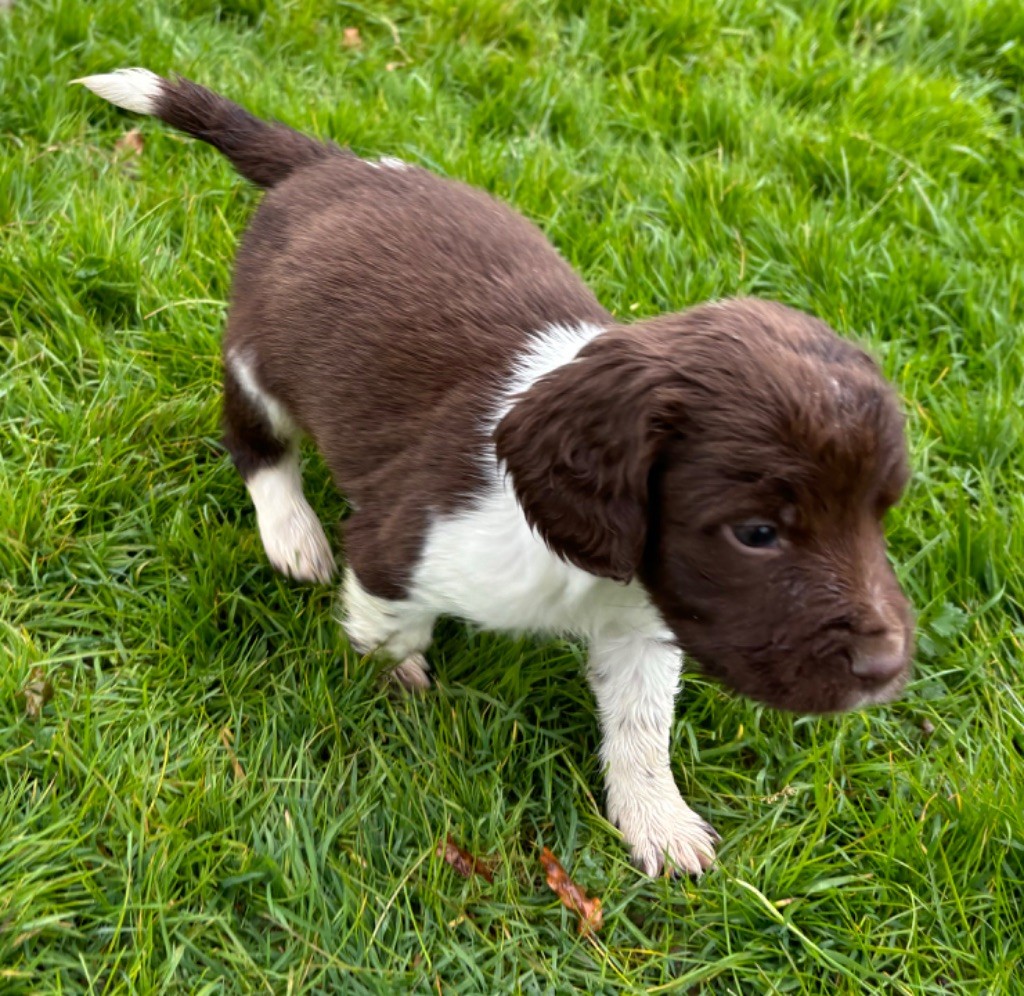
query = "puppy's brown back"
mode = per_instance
[{"x": 381, "y": 304}]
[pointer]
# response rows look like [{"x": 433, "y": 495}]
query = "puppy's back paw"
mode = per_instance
[
  {"x": 296, "y": 544},
  {"x": 413, "y": 673}
]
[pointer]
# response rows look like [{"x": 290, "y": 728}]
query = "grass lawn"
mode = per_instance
[{"x": 220, "y": 797}]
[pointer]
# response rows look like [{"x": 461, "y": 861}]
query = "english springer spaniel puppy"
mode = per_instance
[{"x": 709, "y": 483}]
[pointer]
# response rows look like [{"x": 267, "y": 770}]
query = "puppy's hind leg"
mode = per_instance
[
  {"x": 263, "y": 442},
  {"x": 399, "y": 629}
]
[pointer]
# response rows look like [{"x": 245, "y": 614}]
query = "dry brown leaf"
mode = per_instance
[
  {"x": 351, "y": 38},
  {"x": 462, "y": 861},
  {"x": 225, "y": 739},
  {"x": 37, "y": 692},
  {"x": 131, "y": 143},
  {"x": 573, "y": 896}
]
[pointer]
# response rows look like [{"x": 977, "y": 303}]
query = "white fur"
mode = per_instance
[
  {"x": 400, "y": 629},
  {"x": 412, "y": 673},
  {"x": 387, "y": 162},
  {"x": 556, "y": 346},
  {"x": 488, "y": 566},
  {"x": 281, "y": 423},
  {"x": 292, "y": 535},
  {"x": 133, "y": 89},
  {"x": 635, "y": 679}
]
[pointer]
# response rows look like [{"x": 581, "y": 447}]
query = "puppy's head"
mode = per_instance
[{"x": 738, "y": 459}]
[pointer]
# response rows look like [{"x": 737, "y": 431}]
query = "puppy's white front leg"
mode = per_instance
[{"x": 635, "y": 680}]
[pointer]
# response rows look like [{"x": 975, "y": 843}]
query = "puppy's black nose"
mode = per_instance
[{"x": 880, "y": 657}]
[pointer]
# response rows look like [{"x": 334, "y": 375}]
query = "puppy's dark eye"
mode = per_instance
[{"x": 758, "y": 535}]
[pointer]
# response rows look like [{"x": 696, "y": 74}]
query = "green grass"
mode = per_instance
[{"x": 860, "y": 159}]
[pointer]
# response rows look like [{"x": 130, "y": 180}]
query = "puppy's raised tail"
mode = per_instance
[{"x": 262, "y": 152}]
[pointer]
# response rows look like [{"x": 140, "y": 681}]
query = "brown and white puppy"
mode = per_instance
[{"x": 711, "y": 482}]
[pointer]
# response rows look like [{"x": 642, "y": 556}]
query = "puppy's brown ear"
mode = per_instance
[{"x": 579, "y": 445}]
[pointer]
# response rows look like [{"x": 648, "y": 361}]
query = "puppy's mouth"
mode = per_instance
[
  {"x": 877, "y": 694},
  {"x": 818, "y": 689}
]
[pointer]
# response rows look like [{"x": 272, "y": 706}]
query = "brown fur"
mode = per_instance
[{"x": 386, "y": 310}]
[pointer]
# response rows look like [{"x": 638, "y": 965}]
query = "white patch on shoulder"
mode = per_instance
[
  {"x": 554, "y": 347},
  {"x": 486, "y": 564},
  {"x": 133, "y": 89}
]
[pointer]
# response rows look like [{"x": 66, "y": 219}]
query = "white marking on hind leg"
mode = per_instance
[
  {"x": 292, "y": 535},
  {"x": 281, "y": 423},
  {"x": 400, "y": 629},
  {"x": 413, "y": 673}
]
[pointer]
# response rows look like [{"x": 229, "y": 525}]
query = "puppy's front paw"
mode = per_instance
[{"x": 667, "y": 833}]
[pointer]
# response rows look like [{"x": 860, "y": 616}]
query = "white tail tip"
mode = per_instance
[{"x": 133, "y": 89}]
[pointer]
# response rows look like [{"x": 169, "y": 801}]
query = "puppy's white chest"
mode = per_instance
[{"x": 486, "y": 565}]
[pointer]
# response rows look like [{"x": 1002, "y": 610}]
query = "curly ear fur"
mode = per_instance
[{"x": 580, "y": 444}]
